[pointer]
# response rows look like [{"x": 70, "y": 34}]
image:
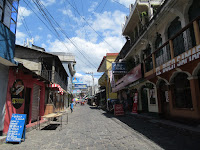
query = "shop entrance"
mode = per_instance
[
  {"x": 164, "y": 99},
  {"x": 27, "y": 104},
  {"x": 144, "y": 99}
]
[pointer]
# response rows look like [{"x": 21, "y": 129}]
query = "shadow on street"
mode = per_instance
[
  {"x": 166, "y": 137},
  {"x": 51, "y": 127}
]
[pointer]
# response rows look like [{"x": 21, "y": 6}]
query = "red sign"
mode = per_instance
[
  {"x": 135, "y": 99},
  {"x": 131, "y": 76},
  {"x": 118, "y": 109}
]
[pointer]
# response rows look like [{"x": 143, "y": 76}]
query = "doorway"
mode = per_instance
[
  {"x": 164, "y": 99},
  {"x": 27, "y": 103},
  {"x": 144, "y": 99}
]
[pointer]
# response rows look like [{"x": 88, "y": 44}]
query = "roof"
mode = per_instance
[{"x": 104, "y": 58}]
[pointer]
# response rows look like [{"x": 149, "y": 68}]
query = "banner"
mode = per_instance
[{"x": 135, "y": 100}]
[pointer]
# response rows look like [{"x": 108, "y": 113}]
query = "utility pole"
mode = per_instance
[{"x": 91, "y": 73}]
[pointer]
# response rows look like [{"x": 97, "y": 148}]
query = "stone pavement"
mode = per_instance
[{"x": 91, "y": 128}]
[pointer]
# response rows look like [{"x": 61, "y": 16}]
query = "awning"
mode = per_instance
[{"x": 61, "y": 91}]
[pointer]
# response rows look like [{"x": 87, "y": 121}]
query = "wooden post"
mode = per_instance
[
  {"x": 171, "y": 48},
  {"x": 196, "y": 32}
]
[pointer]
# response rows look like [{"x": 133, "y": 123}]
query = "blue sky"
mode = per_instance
[{"x": 87, "y": 28}]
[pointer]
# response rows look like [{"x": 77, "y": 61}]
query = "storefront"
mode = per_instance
[
  {"x": 178, "y": 86},
  {"x": 25, "y": 95}
]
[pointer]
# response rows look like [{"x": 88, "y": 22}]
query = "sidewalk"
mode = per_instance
[
  {"x": 31, "y": 127},
  {"x": 168, "y": 123}
]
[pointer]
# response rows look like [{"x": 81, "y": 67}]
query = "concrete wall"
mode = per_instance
[{"x": 3, "y": 92}]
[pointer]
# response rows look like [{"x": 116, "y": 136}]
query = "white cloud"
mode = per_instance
[
  {"x": 37, "y": 38},
  {"x": 22, "y": 13},
  {"x": 20, "y": 37},
  {"x": 93, "y": 6},
  {"x": 49, "y": 36},
  {"x": 40, "y": 28},
  {"x": 48, "y": 2},
  {"x": 44, "y": 45}
]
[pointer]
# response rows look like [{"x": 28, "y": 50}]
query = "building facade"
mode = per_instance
[
  {"x": 165, "y": 41},
  {"x": 8, "y": 21},
  {"x": 105, "y": 80},
  {"x": 68, "y": 62},
  {"x": 49, "y": 67}
]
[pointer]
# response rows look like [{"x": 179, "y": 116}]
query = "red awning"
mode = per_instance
[{"x": 56, "y": 86}]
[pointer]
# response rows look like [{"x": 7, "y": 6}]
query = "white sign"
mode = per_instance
[{"x": 180, "y": 60}]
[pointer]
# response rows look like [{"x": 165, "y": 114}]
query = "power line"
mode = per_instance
[
  {"x": 44, "y": 14},
  {"x": 90, "y": 25}
]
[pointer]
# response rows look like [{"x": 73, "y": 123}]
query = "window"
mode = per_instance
[
  {"x": 1, "y": 9},
  {"x": 178, "y": 42},
  {"x": 182, "y": 92},
  {"x": 8, "y": 13},
  {"x": 194, "y": 12}
]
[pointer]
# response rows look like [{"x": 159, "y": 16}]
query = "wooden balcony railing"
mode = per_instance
[
  {"x": 54, "y": 77},
  {"x": 187, "y": 38}
]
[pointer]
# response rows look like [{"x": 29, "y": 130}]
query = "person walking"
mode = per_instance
[{"x": 71, "y": 107}]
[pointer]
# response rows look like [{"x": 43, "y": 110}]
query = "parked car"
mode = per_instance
[{"x": 111, "y": 103}]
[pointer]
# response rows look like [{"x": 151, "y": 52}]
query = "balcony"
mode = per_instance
[
  {"x": 177, "y": 51},
  {"x": 54, "y": 77}
]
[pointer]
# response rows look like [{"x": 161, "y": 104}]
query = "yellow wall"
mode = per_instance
[{"x": 109, "y": 68}]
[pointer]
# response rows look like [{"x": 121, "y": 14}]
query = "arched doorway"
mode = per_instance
[
  {"x": 194, "y": 12},
  {"x": 144, "y": 99},
  {"x": 178, "y": 42},
  {"x": 164, "y": 98},
  {"x": 182, "y": 92}
]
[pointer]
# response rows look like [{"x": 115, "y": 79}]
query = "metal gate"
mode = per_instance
[{"x": 35, "y": 103}]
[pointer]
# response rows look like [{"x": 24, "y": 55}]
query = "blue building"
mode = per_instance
[{"x": 8, "y": 21}]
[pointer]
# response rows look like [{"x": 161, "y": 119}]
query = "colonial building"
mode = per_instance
[
  {"x": 8, "y": 19},
  {"x": 105, "y": 80},
  {"x": 163, "y": 36}
]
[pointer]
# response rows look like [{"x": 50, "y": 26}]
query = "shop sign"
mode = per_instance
[
  {"x": 132, "y": 76},
  {"x": 80, "y": 86},
  {"x": 118, "y": 109},
  {"x": 135, "y": 101},
  {"x": 119, "y": 68},
  {"x": 17, "y": 93},
  {"x": 17, "y": 128},
  {"x": 180, "y": 60}
]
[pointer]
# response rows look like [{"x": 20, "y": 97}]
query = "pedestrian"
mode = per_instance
[{"x": 71, "y": 107}]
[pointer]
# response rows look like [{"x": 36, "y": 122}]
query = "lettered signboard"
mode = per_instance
[
  {"x": 17, "y": 128},
  {"x": 118, "y": 110}
]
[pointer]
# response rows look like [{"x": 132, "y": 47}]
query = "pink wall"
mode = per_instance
[{"x": 28, "y": 81}]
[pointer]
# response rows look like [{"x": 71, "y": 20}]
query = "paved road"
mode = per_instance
[{"x": 92, "y": 129}]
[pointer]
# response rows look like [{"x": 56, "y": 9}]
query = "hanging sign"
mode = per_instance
[
  {"x": 17, "y": 93},
  {"x": 135, "y": 100},
  {"x": 17, "y": 128},
  {"x": 118, "y": 110}
]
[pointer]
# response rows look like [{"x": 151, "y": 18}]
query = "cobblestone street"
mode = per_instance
[{"x": 90, "y": 128}]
